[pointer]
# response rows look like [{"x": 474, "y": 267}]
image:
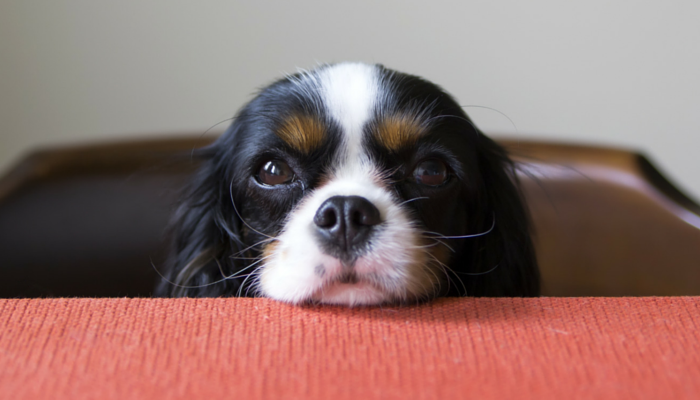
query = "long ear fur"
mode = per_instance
[
  {"x": 205, "y": 236},
  {"x": 502, "y": 262}
]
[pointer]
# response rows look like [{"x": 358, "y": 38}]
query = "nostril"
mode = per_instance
[
  {"x": 361, "y": 212},
  {"x": 326, "y": 218},
  {"x": 329, "y": 215},
  {"x": 357, "y": 218}
]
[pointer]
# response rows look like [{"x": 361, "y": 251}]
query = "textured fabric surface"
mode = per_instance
[{"x": 546, "y": 348}]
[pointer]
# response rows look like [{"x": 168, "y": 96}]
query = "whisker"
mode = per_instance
[
  {"x": 437, "y": 241},
  {"x": 223, "y": 274},
  {"x": 413, "y": 199},
  {"x": 480, "y": 273},
  {"x": 447, "y": 269},
  {"x": 208, "y": 130},
  {"x": 255, "y": 282},
  {"x": 225, "y": 278},
  {"x": 437, "y": 280},
  {"x": 493, "y": 225},
  {"x": 495, "y": 110},
  {"x": 267, "y": 240},
  {"x": 427, "y": 246},
  {"x": 240, "y": 288},
  {"x": 233, "y": 203}
]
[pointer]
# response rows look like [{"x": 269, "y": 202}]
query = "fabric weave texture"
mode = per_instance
[{"x": 504, "y": 348}]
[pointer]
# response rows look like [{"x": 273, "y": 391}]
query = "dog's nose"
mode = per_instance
[{"x": 344, "y": 224}]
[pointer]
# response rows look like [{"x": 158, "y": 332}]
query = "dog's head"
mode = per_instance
[{"x": 352, "y": 184}]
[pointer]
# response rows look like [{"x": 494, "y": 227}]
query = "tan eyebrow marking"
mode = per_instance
[
  {"x": 398, "y": 131},
  {"x": 303, "y": 133}
]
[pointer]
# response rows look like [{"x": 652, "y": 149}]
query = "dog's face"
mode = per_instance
[{"x": 353, "y": 184}]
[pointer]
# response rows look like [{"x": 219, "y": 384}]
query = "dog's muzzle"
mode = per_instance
[{"x": 344, "y": 227}]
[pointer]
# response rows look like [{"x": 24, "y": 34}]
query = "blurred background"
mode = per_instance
[{"x": 621, "y": 73}]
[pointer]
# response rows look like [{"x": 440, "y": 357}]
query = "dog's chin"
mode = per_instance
[
  {"x": 336, "y": 286},
  {"x": 359, "y": 293}
]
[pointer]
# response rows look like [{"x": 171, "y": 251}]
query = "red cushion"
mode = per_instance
[{"x": 546, "y": 348}]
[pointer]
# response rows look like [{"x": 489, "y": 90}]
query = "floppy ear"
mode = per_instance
[
  {"x": 205, "y": 234},
  {"x": 503, "y": 262}
]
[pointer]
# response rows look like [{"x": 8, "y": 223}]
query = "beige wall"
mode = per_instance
[{"x": 616, "y": 72}]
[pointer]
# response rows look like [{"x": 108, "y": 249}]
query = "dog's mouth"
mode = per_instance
[
  {"x": 348, "y": 278},
  {"x": 351, "y": 294},
  {"x": 351, "y": 288}
]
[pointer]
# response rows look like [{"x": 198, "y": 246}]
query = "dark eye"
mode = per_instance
[
  {"x": 275, "y": 172},
  {"x": 431, "y": 172}
]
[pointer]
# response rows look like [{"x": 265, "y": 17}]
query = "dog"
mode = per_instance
[{"x": 352, "y": 184}]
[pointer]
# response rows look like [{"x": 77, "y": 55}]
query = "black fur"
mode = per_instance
[{"x": 211, "y": 242}]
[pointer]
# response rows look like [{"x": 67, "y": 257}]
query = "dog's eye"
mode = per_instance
[
  {"x": 275, "y": 172},
  {"x": 431, "y": 172}
]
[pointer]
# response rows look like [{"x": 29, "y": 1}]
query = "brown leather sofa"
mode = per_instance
[{"x": 91, "y": 220}]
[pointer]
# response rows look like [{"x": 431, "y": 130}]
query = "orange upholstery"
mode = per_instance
[{"x": 543, "y": 348}]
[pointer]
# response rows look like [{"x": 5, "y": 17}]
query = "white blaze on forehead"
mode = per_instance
[{"x": 350, "y": 92}]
